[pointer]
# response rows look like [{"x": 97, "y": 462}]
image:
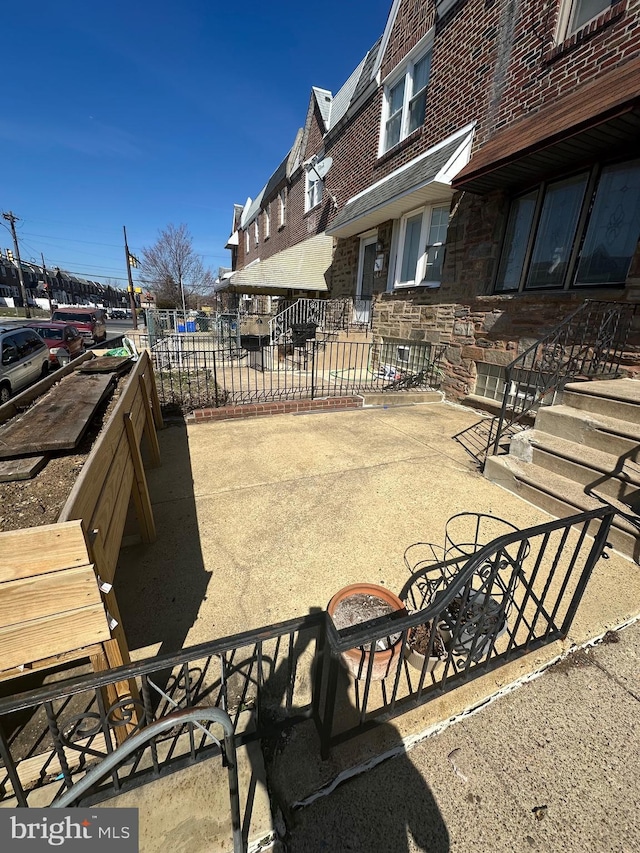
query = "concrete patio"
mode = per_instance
[{"x": 265, "y": 519}]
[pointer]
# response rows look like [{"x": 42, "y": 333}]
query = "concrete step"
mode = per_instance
[
  {"x": 610, "y": 435},
  {"x": 558, "y": 496},
  {"x": 614, "y": 398},
  {"x": 605, "y": 472}
]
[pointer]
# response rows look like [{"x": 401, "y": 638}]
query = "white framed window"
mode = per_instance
[
  {"x": 405, "y": 101},
  {"x": 421, "y": 243},
  {"x": 247, "y": 242},
  {"x": 282, "y": 206},
  {"x": 256, "y": 231},
  {"x": 576, "y": 14},
  {"x": 267, "y": 223},
  {"x": 313, "y": 185}
]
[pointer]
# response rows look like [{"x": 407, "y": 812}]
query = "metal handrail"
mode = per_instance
[
  {"x": 186, "y": 715},
  {"x": 468, "y": 567},
  {"x": 575, "y": 346}
]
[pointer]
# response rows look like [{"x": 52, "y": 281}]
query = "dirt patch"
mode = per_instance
[{"x": 32, "y": 503}]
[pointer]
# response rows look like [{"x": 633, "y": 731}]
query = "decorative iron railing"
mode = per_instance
[
  {"x": 328, "y": 315},
  {"x": 589, "y": 343},
  {"x": 193, "y": 373},
  {"x": 480, "y": 607},
  {"x": 50, "y": 735},
  {"x": 475, "y": 611}
]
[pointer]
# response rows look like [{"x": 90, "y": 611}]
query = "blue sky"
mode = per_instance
[{"x": 145, "y": 113}]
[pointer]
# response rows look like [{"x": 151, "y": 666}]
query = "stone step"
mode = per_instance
[
  {"x": 558, "y": 496},
  {"x": 610, "y": 435},
  {"x": 614, "y": 398},
  {"x": 605, "y": 472}
]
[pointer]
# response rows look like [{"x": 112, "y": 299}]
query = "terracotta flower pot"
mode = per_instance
[{"x": 356, "y": 661}]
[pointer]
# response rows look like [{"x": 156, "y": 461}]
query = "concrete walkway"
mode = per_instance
[
  {"x": 550, "y": 767},
  {"x": 265, "y": 519}
]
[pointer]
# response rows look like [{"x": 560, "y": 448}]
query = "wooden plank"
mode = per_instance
[
  {"x": 59, "y": 420},
  {"x": 37, "y": 550},
  {"x": 21, "y": 469},
  {"x": 140, "y": 490},
  {"x": 26, "y": 397},
  {"x": 44, "y": 595},
  {"x": 118, "y": 520},
  {"x": 50, "y": 662},
  {"x": 48, "y": 764},
  {"x": 107, "y": 364},
  {"x": 149, "y": 425},
  {"x": 111, "y": 658},
  {"x": 83, "y": 492},
  {"x": 63, "y": 632},
  {"x": 155, "y": 400}
]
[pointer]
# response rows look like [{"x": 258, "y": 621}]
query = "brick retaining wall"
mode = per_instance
[{"x": 255, "y": 410}]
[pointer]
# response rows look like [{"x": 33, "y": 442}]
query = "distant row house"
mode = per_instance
[
  {"x": 475, "y": 179},
  {"x": 62, "y": 287}
]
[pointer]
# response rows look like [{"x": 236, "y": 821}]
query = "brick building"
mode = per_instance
[{"x": 478, "y": 174}]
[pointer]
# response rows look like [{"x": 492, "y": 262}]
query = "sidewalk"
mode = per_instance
[{"x": 550, "y": 767}]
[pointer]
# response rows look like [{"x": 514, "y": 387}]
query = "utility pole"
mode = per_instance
[
  {"x": 11, "y": 219},
  {"x": 132, "y": 296},
  {"x": 47, "y": 283}
]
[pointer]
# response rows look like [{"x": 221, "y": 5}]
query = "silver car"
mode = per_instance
[{"x": 25, "y": 358}]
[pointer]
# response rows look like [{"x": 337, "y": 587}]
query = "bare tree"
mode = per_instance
[{"x": 173, "y": 270}]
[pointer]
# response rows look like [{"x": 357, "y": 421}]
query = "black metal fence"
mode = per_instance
[
  {"x": 192, "y": 374},
  {"x": 473, "y": 606},
  {"x": 50, "y": 735},
  {"x": 465, "y": 616}
]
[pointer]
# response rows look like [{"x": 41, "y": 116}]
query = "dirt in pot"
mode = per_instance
[
  {"x": 419, "y": 639},
  {"x": 363, "y": 607}
]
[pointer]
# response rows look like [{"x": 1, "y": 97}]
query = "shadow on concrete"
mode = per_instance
[
  {"x": 387, "y": 809},
  {"x": 161, "y": 586}
]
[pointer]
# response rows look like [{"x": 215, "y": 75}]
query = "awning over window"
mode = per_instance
[
  {"x": 592, "y": 122},
  {"x": 301, "y": 267},
  {"x": 425, "y": 180}
]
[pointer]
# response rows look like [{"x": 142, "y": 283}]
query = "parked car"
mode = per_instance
[
  {"x": 24, "y": 358},
  {"x": 64, "y": 341},
  {"x": 117, "y": 314},
  {"x": 90, "y": 322}
]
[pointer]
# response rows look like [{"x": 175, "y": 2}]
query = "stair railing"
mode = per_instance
[{"x": 589, "y": 343}]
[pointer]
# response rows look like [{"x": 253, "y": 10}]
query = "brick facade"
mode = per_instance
[{"x": 493, "y": 63}]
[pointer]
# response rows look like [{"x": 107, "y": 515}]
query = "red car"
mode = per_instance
[
  {"x": 90, "y": 322},
  {"x": 64, "y": 341}
]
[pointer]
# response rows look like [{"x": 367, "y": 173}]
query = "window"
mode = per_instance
[
  {"x": 489, "y": 381},
  {"x": 577, "y": 13},
  {"x": 421, "y": 244},
  {"x": 405, "y": 102},
  {"x": 282, "y": 200},
  {"x": 313, "y": 189},
  {"x": 247, "y": 246},
  {"x": 267, "y": 223},
  {"x": 576, "y": 232},
  {"x": 256, "y": 231}
]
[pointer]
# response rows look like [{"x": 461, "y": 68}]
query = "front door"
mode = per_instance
[{"x": 364, "y": 289}]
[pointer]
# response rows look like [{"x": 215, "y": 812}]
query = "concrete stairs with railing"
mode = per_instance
[{"x": 588, "y": 444}]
